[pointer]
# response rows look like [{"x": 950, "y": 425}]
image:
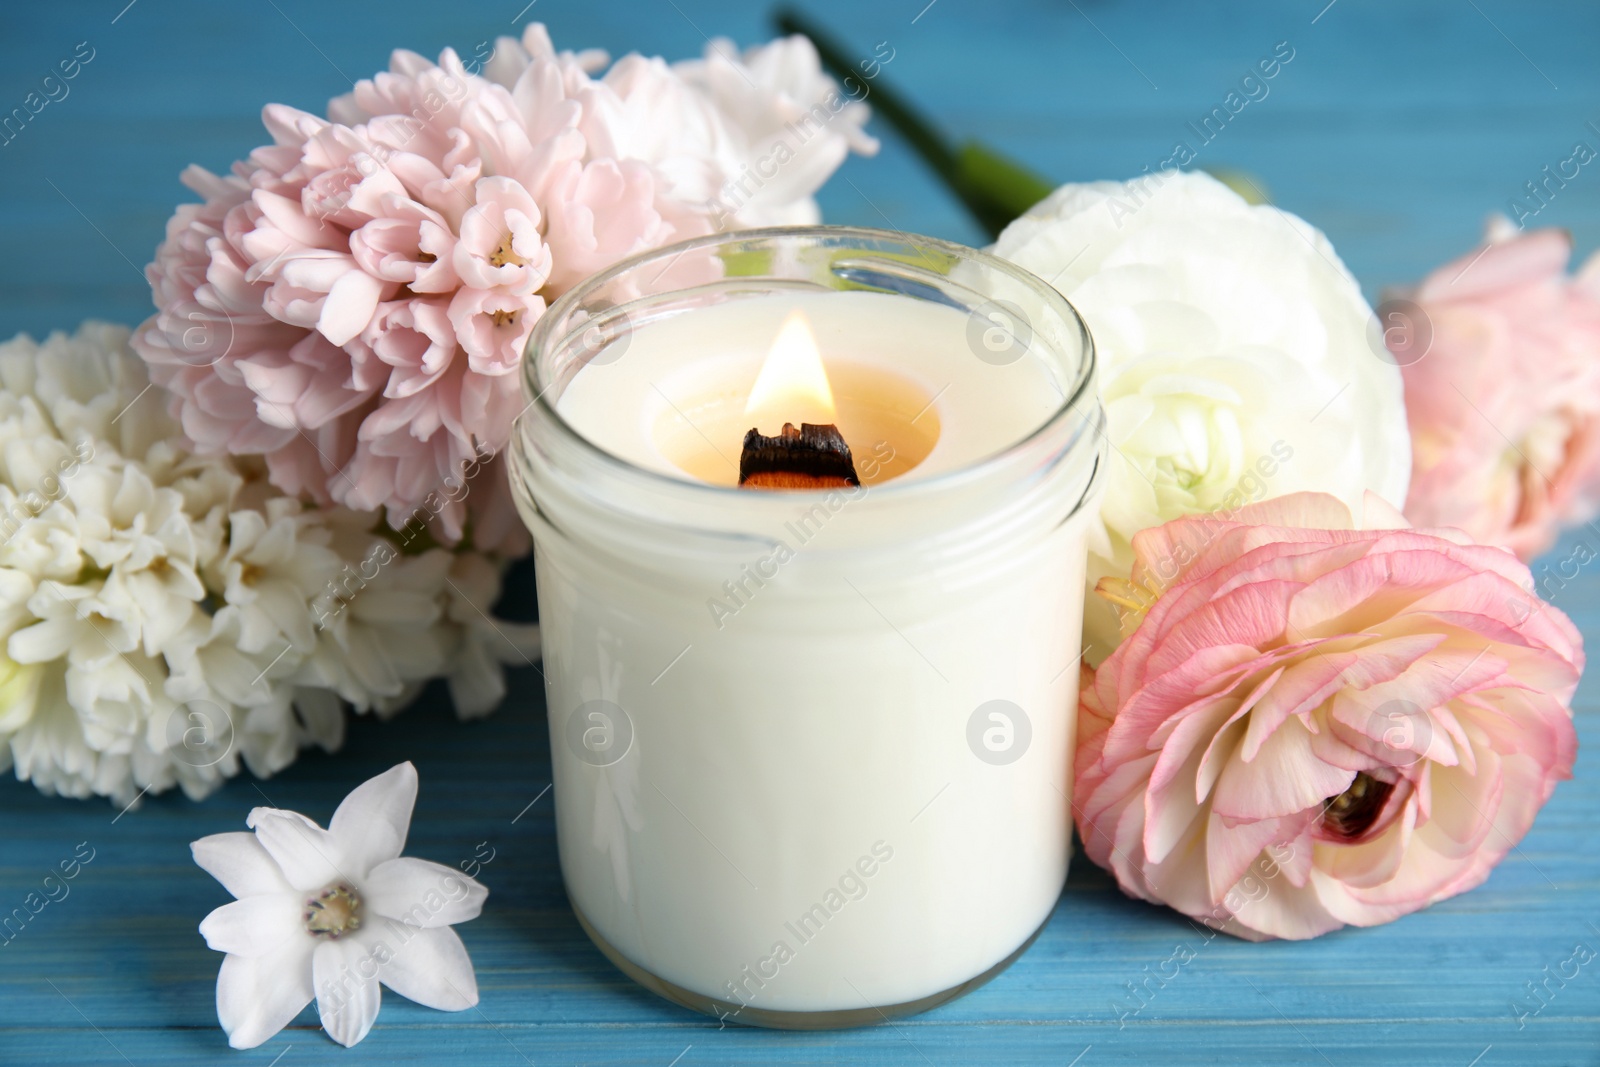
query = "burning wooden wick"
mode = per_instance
[{"x": 812, "y": 457}]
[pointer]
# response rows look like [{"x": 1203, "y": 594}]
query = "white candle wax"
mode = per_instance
[
  {"x": 812, "y": 749},
  {"x": 675, "y": 397}
]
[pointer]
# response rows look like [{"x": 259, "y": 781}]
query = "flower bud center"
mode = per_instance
[
  {"x": 1352, "y": 813},
  {"x": 333, "y": 912},
  {"x": 504, "y": 254}
]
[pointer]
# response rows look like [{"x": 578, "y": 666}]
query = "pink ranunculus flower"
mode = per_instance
[
  {"x": 352, "y": 301},
  {"x": 1312, "y": 724},
  {"x": 1504, "y": 402}
]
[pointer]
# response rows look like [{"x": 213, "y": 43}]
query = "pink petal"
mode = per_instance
[
  {"x": 1230, "y": 852},
  {"x": 1284, "y": 778},
  {"x": 1285, "y": 910},
  {"x": 1171, "y": 810},
  {"x": 351, "y": 303},
  {"x": 1540, "y": 253}
]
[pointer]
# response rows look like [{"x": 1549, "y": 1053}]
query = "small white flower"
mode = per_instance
[
  {"x": 40, "y": 543},
  {"x": 83, "y": 394},
  {"x": 379, "y": 634},
  {"x": 117, "y": 700},
  {"x": 484, "y": 645},
  {"x": 75, "y": 623},
  {"x": 233, "y": 702},
  {"x": 330, "y": 914},
  {"x": 276, "y": 564}
]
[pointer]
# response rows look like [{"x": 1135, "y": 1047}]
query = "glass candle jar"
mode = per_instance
[{"x": 812, "y": 750}]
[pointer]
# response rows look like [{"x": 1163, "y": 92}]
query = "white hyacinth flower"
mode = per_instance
[
  {"x": 166, "y": 617},
  {"x": 484, "y": 645},
  {"x": 330, "y": 914}
]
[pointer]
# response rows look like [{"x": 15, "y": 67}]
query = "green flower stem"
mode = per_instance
[{"x": 993, "y": 188}]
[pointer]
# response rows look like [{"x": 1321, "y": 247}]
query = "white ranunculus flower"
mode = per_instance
[
  {"x": 1237, "y": 359},
  {"x": 165, "y": 616}
]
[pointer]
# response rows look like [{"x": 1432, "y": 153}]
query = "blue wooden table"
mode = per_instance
[{"x": 1396, "y": 128}]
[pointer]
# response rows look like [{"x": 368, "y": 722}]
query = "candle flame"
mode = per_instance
[{"x": 793, "y": 384}]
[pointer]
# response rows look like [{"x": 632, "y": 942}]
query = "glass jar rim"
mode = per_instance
[{"x": 899, "y": 488}]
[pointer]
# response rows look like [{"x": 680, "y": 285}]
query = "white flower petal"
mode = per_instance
[
  {"x": 433, "y": 969},
  {"x": 372, "y": 822},
  {"x": 423, "y": 893},
  {"x": 1233, "y": 326},
  {"x": 305, "y": 852},
  {"x": 41, "y": 642},
  {"x": 258, "y": 997},
  {"x": 256, "y": 925},
  {"x": 238, "y": 861},
  {"x": 322, "y": 714},
  {"x": 345, "y": 976}
]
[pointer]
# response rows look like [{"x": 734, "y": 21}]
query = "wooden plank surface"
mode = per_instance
[{"x": 1395, "y": 127}]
